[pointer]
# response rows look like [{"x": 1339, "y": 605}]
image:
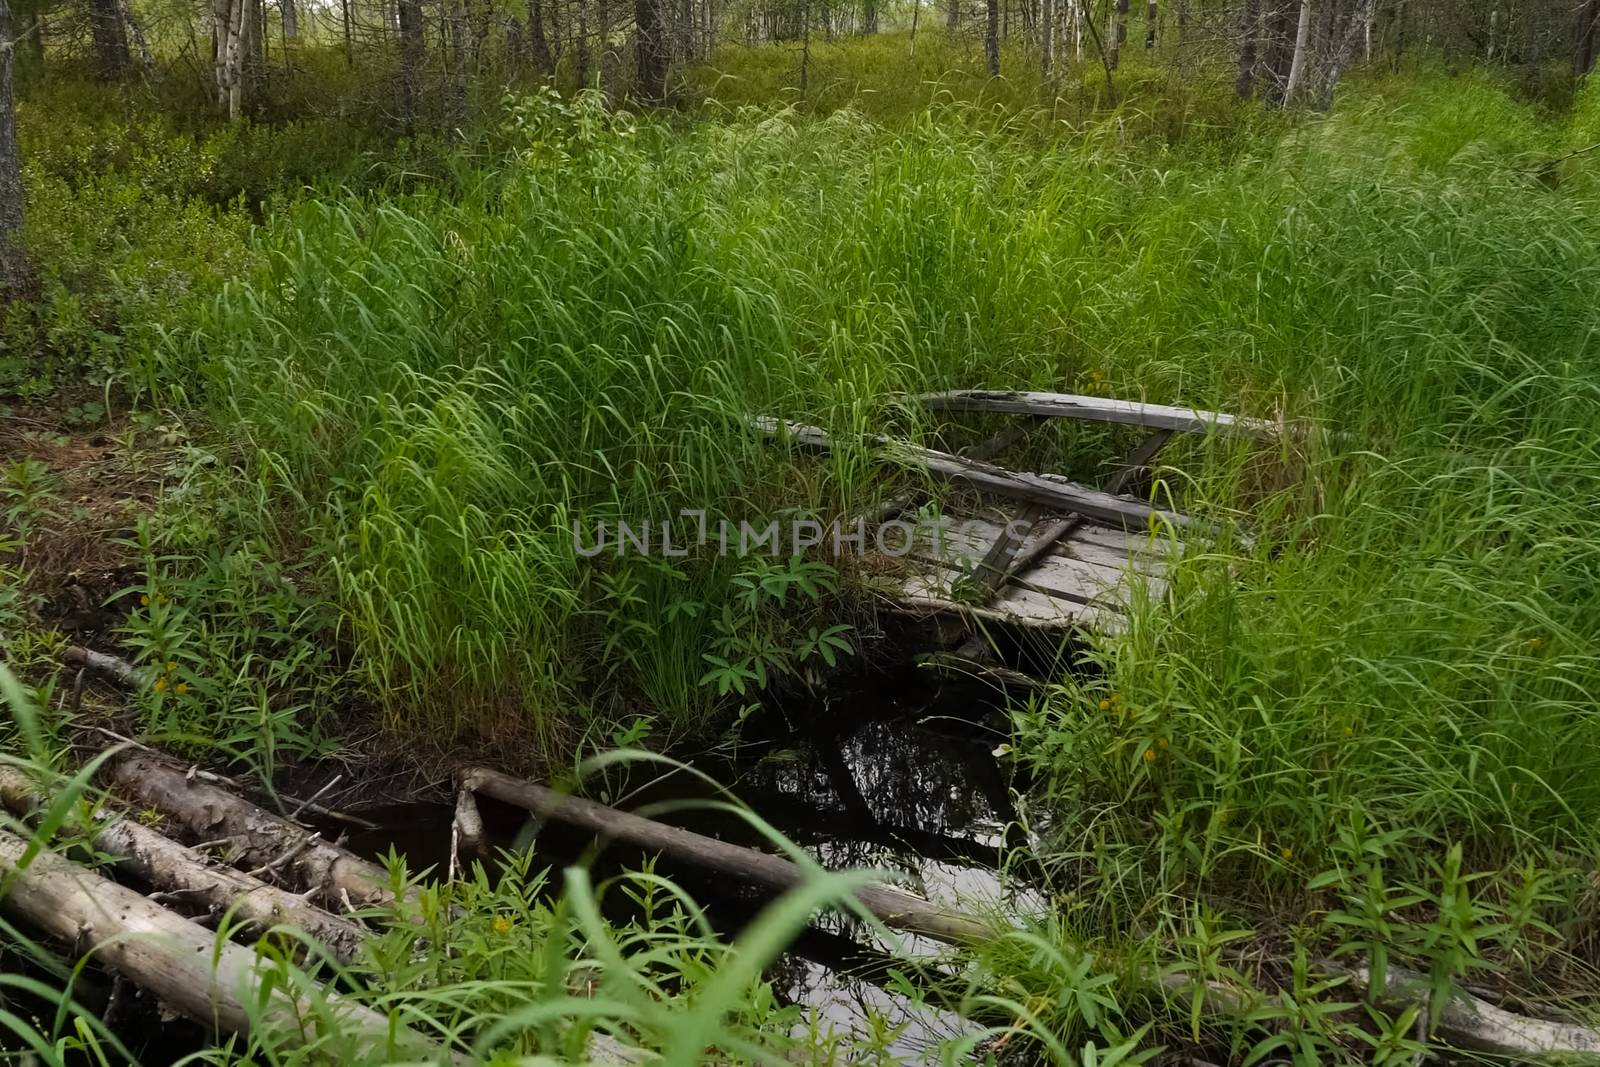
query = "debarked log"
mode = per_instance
[
  {"x": 169, "y": 867},
  {"x": 180, "y": 961},
  {"x": 893, "y": 907},
  {"x": 339, "y": 878},
  {"x": 1468, "y": 1022}
]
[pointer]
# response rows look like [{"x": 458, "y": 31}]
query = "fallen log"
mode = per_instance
[
  {"x": 169, "y": 867},
  {"x": 893, "y": 907},
  {"x": 1468, "y": 1022},
  {"x": 113, "y": 669},
  {"x": 181, "y": 961},
  {"x": 339, "y": 878}
]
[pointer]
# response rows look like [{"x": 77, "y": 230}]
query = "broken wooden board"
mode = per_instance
[
  {"x": 1087, "y": 580},
  {"x": 1100, "y": 409},
  {"x": 1051, "y": 490}
]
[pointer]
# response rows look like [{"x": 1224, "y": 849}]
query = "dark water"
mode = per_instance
[{"x": 894, "y": 772}]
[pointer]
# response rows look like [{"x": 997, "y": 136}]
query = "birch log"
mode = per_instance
[
  {"x": 180, "y": 961},
  {"x": 161, "y": 862}
]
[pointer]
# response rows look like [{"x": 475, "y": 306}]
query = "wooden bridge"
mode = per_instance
[{"x": 1038, "y": 550}]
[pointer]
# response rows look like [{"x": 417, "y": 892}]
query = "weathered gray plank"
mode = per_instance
[
  {"x": 1016, "y": 605},
  {"x": 1100, "y": 409},
  {"x": 1048, "y": 489},
  {"x": 1098, "y": 574},
  {"x": 1132, "y": 464}
]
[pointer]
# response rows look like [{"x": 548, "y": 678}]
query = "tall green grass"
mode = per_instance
[{"x": 427, "y": 389}]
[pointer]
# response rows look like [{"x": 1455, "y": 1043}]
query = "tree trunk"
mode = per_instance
[
  {"x": 1151, "y": 17},
  {"x": 1250, "y": 33},
  {"x": 610, "y": 61},
  {"x": 291, "y": 20},
  {"x": 1297, "y": 67},
  {"x": 539, "y": 56},
  {"x": 991, "y": 37},
  {"x": 869, "y": 17},
  {"x": 412, "y": 55},
  {"x": 110, "y": 38},
  {"x": 952, "y": 15},
  {"x": 1588, "y": 30},
  {"x": 13, "y": 267},
  {"x": 1118, "y": 33},
  {"x": 1047, "y": 40},
  {"x": 228, "y": 46},
  {"x": 1342, "y": 50},
  {"x": 349, "y": 43},
  {"x": 916, "y": 9},
  {"x": 456, "y": 86},
  {"x": 1278, "y": 34},
  {"x": 650, "y": 56},
  {"x": 580, "y": 59}
]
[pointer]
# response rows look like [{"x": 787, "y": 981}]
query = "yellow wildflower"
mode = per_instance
[
  {"x": 144, "y": 600},
  {"x": 181, "y": 688},
  {"x": 171, "y": 666},
  {"x": 1149, "y": 755},
  {"x": 1105, "y": 705},
  {"x": 502, "y": 925},
  {"x": 161, "y": 683},
  {"x": 1286, "y": 852}
]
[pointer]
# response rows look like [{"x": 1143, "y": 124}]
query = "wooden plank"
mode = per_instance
[
  {"x": 1101, "y": 409},
  {"x": 1048, "y": 489},
  {"x": 1061, "y": 573},
  {"x": 1132, "y": 545},
  {"x": 1017, "y": 606},
  {"x": 985, "y": 449},
  {"x": 1131, "y": 466}
]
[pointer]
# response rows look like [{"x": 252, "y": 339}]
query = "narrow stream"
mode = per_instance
[{"x": 894, "y": 772}]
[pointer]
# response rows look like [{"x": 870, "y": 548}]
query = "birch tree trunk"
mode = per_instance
[
  {"x": 13, "y": 268},
  {"x": 228, "y": 49},
  {"x": 1297, "y": 67},
  {"x": 1047, "y": 40},
  {"x": 291, "y": 20},
  {"x": 181, "y": 961}
]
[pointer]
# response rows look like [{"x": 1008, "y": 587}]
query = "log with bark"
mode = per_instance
[
  {"x": 893, "y": 907},
  {"x": 176, "y": 871},
  {"x": 339, "y": 878}
]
